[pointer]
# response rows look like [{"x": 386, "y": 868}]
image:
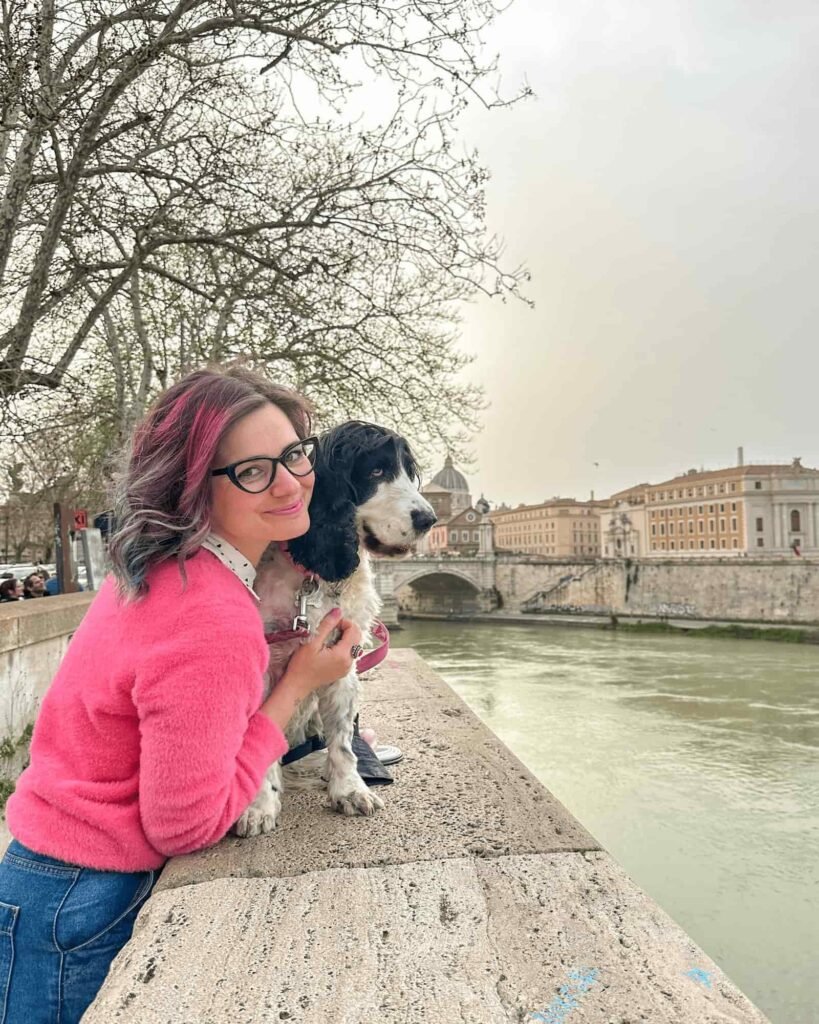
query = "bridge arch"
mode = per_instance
[
  {"x": 441, "y": 591},
  {"x": 429, "y": 570}
]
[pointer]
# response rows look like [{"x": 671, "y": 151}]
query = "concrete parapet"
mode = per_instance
[
  {"x": 23, "y": 623},
  {"x": 33, "y": 639},
  {"x": 474, "y": 896}
]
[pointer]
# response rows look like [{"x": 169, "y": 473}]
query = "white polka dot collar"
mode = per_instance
[{"x": 233, "y": 559}]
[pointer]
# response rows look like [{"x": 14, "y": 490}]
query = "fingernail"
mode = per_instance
[{"x": 336, "y": 613}]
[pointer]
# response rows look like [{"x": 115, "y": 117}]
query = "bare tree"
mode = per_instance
[{"x": 164, "y": 203}]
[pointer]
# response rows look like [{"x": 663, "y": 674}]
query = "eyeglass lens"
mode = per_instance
[{"x": 258, "y": 474}]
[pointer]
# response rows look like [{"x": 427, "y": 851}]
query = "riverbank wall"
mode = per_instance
[
  {"x": 773, "y": 590},
  {"x": 474, "y": 896},
  {"x": 33, "y": 639}
]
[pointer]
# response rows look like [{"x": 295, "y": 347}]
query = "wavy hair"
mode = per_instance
[{"x": 162, "y": 496}]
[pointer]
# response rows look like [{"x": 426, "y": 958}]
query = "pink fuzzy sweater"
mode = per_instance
[{"x": 150, "y": 742}]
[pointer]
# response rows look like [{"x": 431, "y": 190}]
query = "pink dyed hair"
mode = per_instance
[{"x": 162, "y": 506}]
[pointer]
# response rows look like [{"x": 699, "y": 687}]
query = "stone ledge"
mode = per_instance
[
  {"x": 458, "y": 792},
  {"x": 29, "y": 622},
  {"x": 473, "y": 897},
  {"x": 479, "y": 942}
]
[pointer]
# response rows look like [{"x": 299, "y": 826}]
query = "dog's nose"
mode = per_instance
[{"x": 422, "y": 520}]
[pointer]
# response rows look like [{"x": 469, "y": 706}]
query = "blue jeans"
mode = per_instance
[{"x": 60, "y": 928}]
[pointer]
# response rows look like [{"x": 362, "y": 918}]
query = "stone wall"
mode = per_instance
[
  {"x": 33, "y": 639},
  {"x": 775, "y": 590}
]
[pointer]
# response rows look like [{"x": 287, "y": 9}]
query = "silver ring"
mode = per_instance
[{"x": 356, "y": 650}]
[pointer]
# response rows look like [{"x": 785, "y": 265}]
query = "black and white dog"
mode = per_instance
[{"x": 365, "y": 502}]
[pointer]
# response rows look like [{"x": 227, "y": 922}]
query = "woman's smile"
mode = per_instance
[{"x": 287, "y": 510}]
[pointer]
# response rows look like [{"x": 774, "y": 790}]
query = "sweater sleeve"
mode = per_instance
[{"x": 204, "y": 745}]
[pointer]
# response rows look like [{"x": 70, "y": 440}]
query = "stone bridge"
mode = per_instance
[{"x": 446, "y": 584}]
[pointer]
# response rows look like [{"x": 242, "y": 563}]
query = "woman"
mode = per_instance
[
  {"x": 11, "y": 590},
  {"x": 153, "y": 737}
]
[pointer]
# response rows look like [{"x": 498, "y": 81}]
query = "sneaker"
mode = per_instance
[{"x": 389, "y": 755}]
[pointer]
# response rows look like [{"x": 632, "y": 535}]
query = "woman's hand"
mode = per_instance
[{"x": 312, "y": 666}]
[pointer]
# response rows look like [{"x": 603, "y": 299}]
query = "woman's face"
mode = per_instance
[{"x": 251, "y": 521}]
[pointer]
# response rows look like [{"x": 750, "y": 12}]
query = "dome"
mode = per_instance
[{"x": 450, "y": 478}]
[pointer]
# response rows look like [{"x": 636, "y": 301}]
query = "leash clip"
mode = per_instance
[{"x": 309, "y": 586}]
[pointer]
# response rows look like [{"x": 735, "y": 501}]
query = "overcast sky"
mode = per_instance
[{"x": 662, "y": 188}]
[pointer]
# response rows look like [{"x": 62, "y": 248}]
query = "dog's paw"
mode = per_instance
[
  {"x": 356, "y": 801},
  {"x": 261, "y": 817}
]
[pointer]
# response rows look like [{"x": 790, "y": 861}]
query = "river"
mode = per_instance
[{"x": 694, "y": 762}]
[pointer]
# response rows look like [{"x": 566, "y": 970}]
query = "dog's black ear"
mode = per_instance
[{"x": 330, "y": 546}]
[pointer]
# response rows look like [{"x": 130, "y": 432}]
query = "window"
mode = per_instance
[
  {"x": 702, "y": 526},
  {"x": 796, "y": 521},
  {"x": 722, "y": 526},
  {"x": 670, "y": 527},
  {"x": 722, "y": 543},
  {"x": 734, "y": 523},
  {"x": 691, "y": 545},
  {"x": 702, "y": 544},
  {"x": 760, "y": 543},
  {"x": 699, "y": 509},
  {"x": 733, "y": 506},
  {"x": 759, "y": 525},
  {"x": 735, "y": 543},
  {"x": 671, "y": 545},
  {"x": 758, "y": 485},
  {"x": 722, "y": 508},
  {"x": 733, "y": 487},
  {"x": 653, "y": 529},
  {"x": 712, "y": 544},
  {"x": 662, "y": 530},
  {"x": 711, "y": 509},
  {"x": 711, "y": 525}
]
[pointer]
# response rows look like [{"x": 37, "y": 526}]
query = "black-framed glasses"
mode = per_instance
[{"x": 256, "y": 474}]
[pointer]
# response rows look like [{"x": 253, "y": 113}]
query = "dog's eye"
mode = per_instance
[{"x": 377, "y": 472}]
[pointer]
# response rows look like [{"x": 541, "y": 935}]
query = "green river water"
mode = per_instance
[{"x": 694, "y": 762}]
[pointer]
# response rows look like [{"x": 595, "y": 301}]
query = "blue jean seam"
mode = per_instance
[
  {"x": 57, "y": 946},
  {"x": 36, "y": 868},
  {"x": 141, "y": 892},
  {"x": 7, "y": 986}
]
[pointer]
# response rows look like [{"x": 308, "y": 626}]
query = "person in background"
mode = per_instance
[
  {"x": 155, "y": 734},
  {"x": 11, "y": 590},
  {"x": 34, "y": 586}
]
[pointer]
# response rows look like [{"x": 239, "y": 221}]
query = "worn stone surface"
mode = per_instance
[
  {"x": 33, "y": 639},
  {"x": 30, "y": 622},
  {"x": 458, "y": 792},
  {"x": 778, "y": 589},
  {"x": 536, "y": 937},
  {"x": 474, "y": 897}
]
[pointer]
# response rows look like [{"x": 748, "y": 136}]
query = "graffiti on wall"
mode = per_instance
[{"x": 671, "y": 610}]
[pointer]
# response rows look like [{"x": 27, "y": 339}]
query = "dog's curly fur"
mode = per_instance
[{"x": 365, "y": 502}]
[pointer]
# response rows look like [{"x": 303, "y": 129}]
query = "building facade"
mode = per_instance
[
  {"x": 623, "y": 530},
  {"x": 459, "y": 534},
  {"x": 742, "y": 510},
  {"x": 462, "y": 528},
  {"x": 562, "y": 527}
]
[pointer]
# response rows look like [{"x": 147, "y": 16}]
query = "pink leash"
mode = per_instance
[
  {"x": 300, "y": 632},
  {"x": 364, "y": 663}
]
